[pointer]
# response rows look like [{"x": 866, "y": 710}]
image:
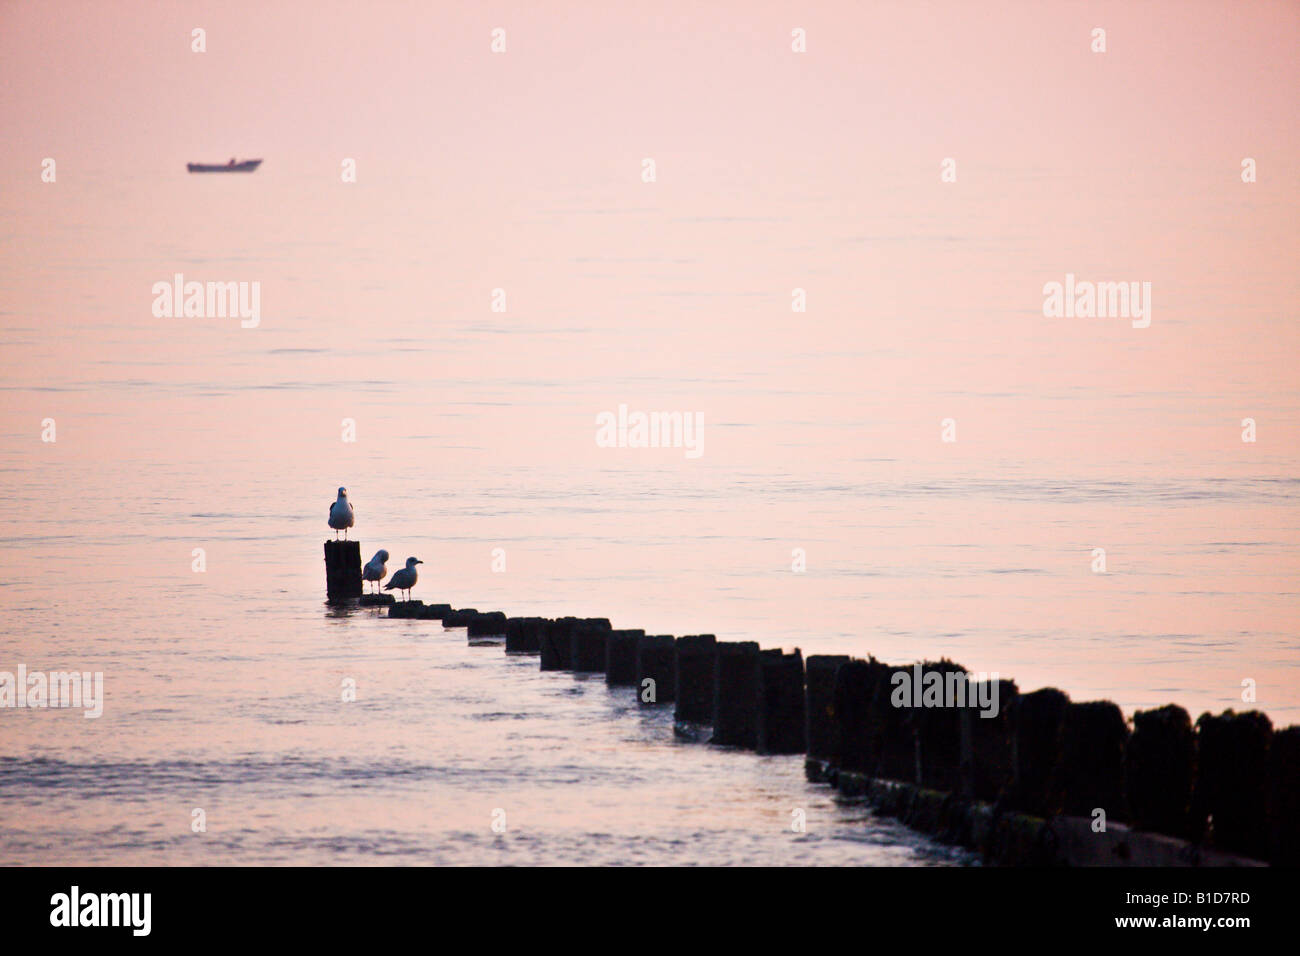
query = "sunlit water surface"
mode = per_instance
[{"x": 475, "y": 432}]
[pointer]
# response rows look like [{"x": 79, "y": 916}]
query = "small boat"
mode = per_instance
[{"x": 247, "y": 166}]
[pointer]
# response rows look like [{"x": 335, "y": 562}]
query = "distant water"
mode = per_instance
[{"x": 475, "y": 431}]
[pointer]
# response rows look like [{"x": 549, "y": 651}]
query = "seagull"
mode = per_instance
[
  {"x": 341, "y": 514},
  {"x": 376, "y": 568},
  {"x": 404, "y": 579}
]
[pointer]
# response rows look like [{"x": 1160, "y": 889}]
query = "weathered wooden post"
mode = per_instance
[
  {"x": 986, "y": 772},
  {"x": 891, "y": 742},
  {"x": 587, "y": 648},
  {"x": 413, "y": 608},
  {"x": 781, "y": 724},
  {"x": 1036, "y": 722},
  {"x": 819, "y": 700},
  {"x": 491, "y": 624},
  {"x": 654, "y": 662},
  {"x": 620, "y": 656},
  {"x": 1231, "y": 782},
  {"x": 855, "y": 690},
  {"x": 936, "y": 724},
  {"x": 1284, "y": 797},
  {"x": 1093, "y": 738},
  {"x": 342, "y": 570},
  {"x": 1159, "y": 770},
  {"x": 556, "y": 645},
  {"x": 735, "y": 695},
  {"x": 524, "y": 634},
  {"x": 697, "y": 657},
  {"x": 459, "y": 617}
]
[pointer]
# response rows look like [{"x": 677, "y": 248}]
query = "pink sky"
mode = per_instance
[{"x": 584, "y": 86}]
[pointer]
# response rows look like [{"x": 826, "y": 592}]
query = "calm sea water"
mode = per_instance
[{"x": 475, "y": 432}]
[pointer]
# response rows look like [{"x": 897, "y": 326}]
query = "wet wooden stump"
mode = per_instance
[
  {"x": 697, "y": 658},
  {"x": 620, "y": 656},
  {"x": 587, "y": 648},
  {"x": 819, "y": 699},
  {"x": 1160, "y": 770},
  {"x": 1231, "y": 781},
  {"x": 936, "y": 724},
  {"x": 491, "y": 624},
  {"x": 1284, "y": 797},
  {"x": 655, "y": 676},
  {"x": 986, "y": 772},
  {"x": 412, "y": 609},
  {"x": 781, "y": 724},
  {"x": 557, "y": 644},
  {"x": 342, "y": 570},
  {"x": 1036, "y": 722},
  {"x": 735, "y": 695},
  {"x": 524, "y": 634},
  {"x": 1093, "y": 738},
  {"x": 460, "y": 617}
]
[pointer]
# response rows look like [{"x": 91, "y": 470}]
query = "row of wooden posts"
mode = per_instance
[{"x": 1024, "y": 786}]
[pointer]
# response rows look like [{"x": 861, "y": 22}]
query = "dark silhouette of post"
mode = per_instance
[
  {"x": 557, "y": 644},
  {"x": 819, "y": 712},
  {"x": 655, "y": 662},
  {"x": 735, "y": 694},
  {"x": 524, "y": 634},
  {"x": 697, "y": 660},
  {"x": 620, "y": 656},
  {"x": 587, "y": 645},
  {"x": 489, "y": 624},
  {"x": 342, "y": 570},
  {"x": 781, "y": 728}
]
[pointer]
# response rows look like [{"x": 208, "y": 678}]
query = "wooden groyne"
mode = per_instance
[{"x": 1043, "y": 781}]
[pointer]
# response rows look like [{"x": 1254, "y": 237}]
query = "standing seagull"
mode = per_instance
[
  {"x": 376, "y": 568},
  {"x": 405, "y": 579},
  {"x": 341, "y": 515}
]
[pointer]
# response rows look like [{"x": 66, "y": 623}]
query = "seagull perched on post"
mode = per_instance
[
  {"x": 341, "y": 514},
  {"x": 376, "y": 568},
  {"x": 404, "y": 579}
]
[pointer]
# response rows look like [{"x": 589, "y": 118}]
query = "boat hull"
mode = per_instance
[{"x": 247, "y": 166}]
